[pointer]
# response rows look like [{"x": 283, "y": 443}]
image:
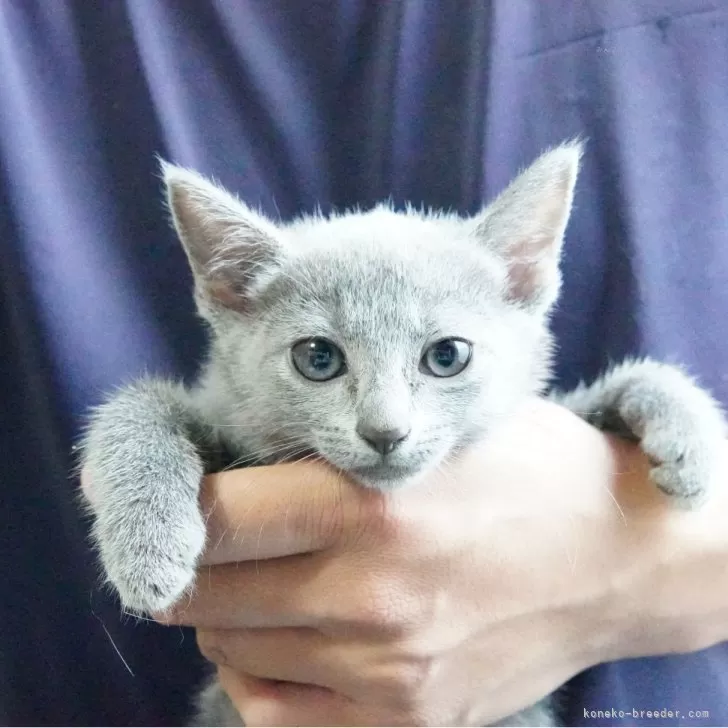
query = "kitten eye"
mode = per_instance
[
  {"x": 318, "y": 359},
  {"x": 446, "y": 358}
]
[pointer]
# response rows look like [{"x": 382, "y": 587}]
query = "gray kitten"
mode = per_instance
[{"x": 381, "y": 341}]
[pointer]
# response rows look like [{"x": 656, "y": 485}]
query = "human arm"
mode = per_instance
[{"x": 459, "y": 601}]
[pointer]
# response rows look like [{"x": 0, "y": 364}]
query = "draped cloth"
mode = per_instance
[{"x": 292, "y": 105}]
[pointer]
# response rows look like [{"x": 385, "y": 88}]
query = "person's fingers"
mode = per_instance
[
  {"x": 292, "y": 591},
  {"x": 271, "y": 703},
  {"x": 299, "y": 655},
  {"x": 279, "y": 510}
]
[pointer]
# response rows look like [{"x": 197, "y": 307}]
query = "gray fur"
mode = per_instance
[
  {"x": 214, "y": 708},
  {"x": 383, "y": 285}
]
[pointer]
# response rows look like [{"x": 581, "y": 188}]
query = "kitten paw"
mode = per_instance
[
  {"x": 680, "y": 429},
  {"x": 146, "y": 473},
  {"x": 687, "y": 473},
  {"x": 151, "y": 562},
  {"x": 678, "y": 425}
]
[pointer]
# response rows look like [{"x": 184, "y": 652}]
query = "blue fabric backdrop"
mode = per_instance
[{"x": 294, "y": 104}]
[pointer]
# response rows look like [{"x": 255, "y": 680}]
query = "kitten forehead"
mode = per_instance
[
  {"x": 395, "y": 255},
  {"x": 412, "y": 279}
]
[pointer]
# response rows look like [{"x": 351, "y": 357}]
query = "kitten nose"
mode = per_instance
[{"x": 383, "y": 441}]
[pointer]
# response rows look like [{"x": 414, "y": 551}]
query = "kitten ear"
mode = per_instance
[
  {"x": 525, "y": 225},
  {"x": 229, "y": 246}
]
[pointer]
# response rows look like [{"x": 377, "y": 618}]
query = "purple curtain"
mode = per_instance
[{"x": 294, "y": 104}]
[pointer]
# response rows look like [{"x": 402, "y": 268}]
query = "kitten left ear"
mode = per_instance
[
  {"x": 525, "y": 226},
  {"x": 231, "y": 248}
]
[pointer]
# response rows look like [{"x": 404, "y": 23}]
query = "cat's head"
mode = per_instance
[{"x": 380, "y": 340}]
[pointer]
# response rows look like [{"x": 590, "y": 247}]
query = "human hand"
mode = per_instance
[{"x": 457, "y": 601}]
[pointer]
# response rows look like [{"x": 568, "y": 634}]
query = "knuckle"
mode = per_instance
[{"x": 405, "y": 683}]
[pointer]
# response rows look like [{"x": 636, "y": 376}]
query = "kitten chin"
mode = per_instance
[
  {"x": 387, "y": 477},
  {"x": 387, "y": 484}
]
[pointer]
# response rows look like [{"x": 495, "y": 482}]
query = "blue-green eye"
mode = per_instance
[
  {"x": 318, "y": 359},
  {"x": 446, "y": 358}
]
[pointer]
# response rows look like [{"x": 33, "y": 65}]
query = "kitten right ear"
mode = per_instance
[{"x": 229, "y": 246}]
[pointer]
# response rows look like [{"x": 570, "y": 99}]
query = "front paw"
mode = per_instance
[
  {"x": 149, "y": 557},
  {"x": 687, "y": 451},
  {"x": 687, "y": 470},
  {"x": 680, "y": 427}
]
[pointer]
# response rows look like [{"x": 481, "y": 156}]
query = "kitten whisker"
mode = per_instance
[
  {"x": 113, "y": 644},
  {"x": 279, "y": 454}
]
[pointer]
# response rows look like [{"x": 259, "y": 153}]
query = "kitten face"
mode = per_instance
[
  {"x": 381, "y": 341},
  {"x": 383, "y": 309}
]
